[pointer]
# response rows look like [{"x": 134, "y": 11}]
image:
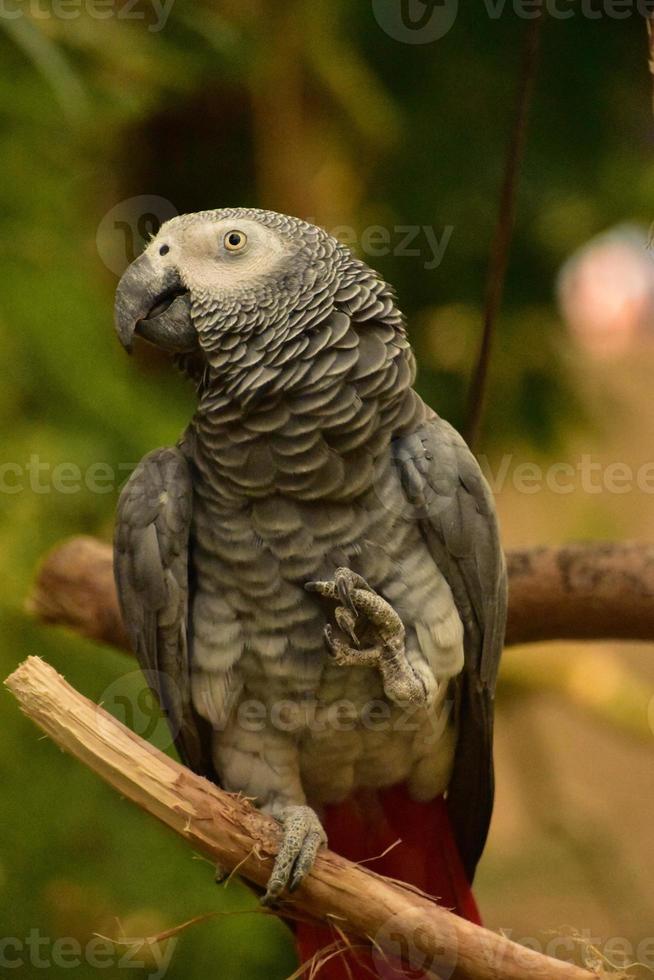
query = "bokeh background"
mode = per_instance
[{"x": 319, "y": 109}]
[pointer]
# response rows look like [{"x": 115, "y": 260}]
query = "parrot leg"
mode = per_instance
[
  {"x": 302, "y": 838},
  {"x": 377, "y": 642}
]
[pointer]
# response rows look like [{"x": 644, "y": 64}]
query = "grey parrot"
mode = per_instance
[{"x": 312, "y": 578}]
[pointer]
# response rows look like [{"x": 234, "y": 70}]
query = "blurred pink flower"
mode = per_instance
[{"x": 606, "y": 291}]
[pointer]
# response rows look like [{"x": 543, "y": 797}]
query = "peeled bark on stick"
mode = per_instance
[{"x": 232, "y": 833}]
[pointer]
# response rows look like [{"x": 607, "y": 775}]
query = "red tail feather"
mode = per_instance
[{"x": 427, "y": 857}]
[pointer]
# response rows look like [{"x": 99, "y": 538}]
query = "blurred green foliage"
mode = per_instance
[{"x": 307, "y": 107}]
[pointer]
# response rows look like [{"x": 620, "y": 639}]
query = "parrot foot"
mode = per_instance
[
  {"x": 302, "y": 838},
  {"x": 370, "y": 634}
]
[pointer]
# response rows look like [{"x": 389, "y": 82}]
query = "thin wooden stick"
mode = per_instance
[
  {"x": 499, "y": 255},
  {"x": 233, "y": 834},
  {"x": 650, "y": 45}
]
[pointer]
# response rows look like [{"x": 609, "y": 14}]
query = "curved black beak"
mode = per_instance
[{"x": 155, "y": 305}]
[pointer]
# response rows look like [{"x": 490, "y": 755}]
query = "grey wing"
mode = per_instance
[
  {"x": 453, "y": 503},
  {"x": 151, "y": 547}
]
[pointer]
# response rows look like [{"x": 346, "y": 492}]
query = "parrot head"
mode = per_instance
[{"x": 208, "y": 281}]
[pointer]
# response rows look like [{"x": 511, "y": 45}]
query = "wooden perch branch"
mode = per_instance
[
  {"x": 596, "y": 591},
  {"x": 583, "y": 591},
  {"x": 231, "y": 832},
  {"x": 75, "y": 588}
]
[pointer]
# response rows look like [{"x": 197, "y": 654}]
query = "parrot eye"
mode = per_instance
[
  {"x": 235, "y": 241},
  {"x": 164, "y": 250}
]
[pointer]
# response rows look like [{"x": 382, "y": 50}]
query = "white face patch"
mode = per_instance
[{"x": 201, "y": 252}]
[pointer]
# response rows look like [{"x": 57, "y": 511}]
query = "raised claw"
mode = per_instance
[
  {"x": 346, "y": 581},
  {"x": 346, "y": 621},
  {"x": 340, "y": 587},
  {"x": 375, "y": 633}
]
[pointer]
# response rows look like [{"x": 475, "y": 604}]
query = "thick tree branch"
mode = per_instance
[
  {"x": 75, "y": 588},
  {"x": 232, "y": 833},
  {"x": 595, "y": 591},
  {"x": 584, "y": 591}
]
